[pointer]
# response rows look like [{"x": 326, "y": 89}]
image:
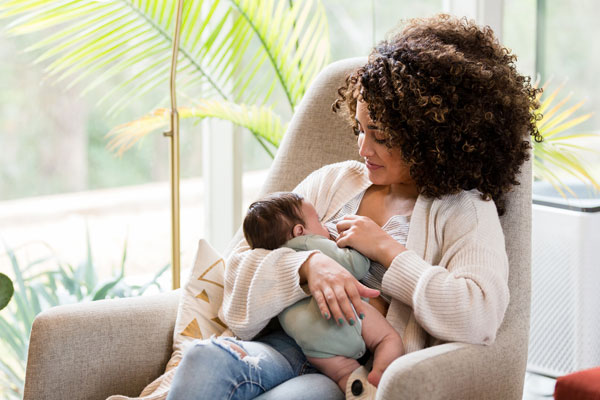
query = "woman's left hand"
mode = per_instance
[{"x": 365, "y": 236}]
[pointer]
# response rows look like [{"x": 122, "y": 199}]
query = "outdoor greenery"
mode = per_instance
[{"x": 37, "y": 291}]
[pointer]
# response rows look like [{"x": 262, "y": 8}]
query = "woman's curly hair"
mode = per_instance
[{"x": 448, "y": 95}]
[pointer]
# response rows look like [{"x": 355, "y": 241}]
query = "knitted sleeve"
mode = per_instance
[
  {"x": 260, "y": 283},
  {"x": 462, "y": 297}
]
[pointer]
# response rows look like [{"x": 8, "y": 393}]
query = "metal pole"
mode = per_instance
[{"x": 173, "y": 134}]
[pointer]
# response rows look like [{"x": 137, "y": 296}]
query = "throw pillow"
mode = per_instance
[
  {"x": 201, "y": 298},
  {"x": 197, "y": 316}
]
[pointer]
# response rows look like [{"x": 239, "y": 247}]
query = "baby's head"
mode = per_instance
[{"x": 279, "y": 217}]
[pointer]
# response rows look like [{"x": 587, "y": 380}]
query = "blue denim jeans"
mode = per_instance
[{"x": 274, "y": 368}]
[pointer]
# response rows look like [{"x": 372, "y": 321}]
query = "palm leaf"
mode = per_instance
[
  {"x": 566, "y": 125},
  {"x": 261, "y": 121},
  {"x": 102, "y": 39},
  {"x": 542, "y": 172},
  {"x": 295, "y": 40},
  {"x": 99, "y": 37},
  {"x": 548, "y": 99},
  {"x": 558, "y": 152},
  {"x": 575, "y": 136},
  {"x": 550, "y": 155}
]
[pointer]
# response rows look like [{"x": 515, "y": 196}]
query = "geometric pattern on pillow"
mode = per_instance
[
  {"x": 197, "y": 316},
  {"x": 200, "y": 301}
]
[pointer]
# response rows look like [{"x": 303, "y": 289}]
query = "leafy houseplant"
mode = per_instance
[
  {"x": 38, "y": 291},
  {"x": 6, "y": 290},
  {"x": 234, "y": 55},
  {"x": 558, "y": 151}
]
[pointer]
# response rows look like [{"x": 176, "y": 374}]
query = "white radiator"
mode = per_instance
[{"x": 565, "y": 302}]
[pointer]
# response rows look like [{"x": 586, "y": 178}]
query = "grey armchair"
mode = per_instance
[{"x": 90, "y": 351}]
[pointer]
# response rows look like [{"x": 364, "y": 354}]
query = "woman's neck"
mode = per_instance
[
  {"x": 383, "y": 201},
  {"x": 400, "y": 191}
]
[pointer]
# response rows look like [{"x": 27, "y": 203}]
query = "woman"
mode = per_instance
[{"x": 442, "y": 118}]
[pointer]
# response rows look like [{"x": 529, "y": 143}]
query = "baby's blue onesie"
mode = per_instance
[{"x": 317, "y": 336}]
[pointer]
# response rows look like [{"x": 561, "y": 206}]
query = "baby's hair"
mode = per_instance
[{"x": 269, "y": 221}]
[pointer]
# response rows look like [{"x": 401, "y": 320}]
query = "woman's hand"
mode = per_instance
[
  {"x": 364, "y": 235},
  {"x": 334, "y": 288}
]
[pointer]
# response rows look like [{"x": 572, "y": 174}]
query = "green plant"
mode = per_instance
[
  {"x": 558, "y": 152},
  {"x": 38, "y": 291},
  {"x": 232, "y": 52},
  {"x": 6, "y": 290}
]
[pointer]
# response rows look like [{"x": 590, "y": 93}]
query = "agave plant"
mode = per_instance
[
  {"x": 232, "y": 52},
  {"x": 556, "y": 155},
  {"x": 37, "y": 291}
]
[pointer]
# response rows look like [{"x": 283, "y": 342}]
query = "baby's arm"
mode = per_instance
[{"x": 357, "y": 264}]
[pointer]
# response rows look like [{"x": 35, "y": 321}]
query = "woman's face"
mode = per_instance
[{"x": 385, "y": 165}]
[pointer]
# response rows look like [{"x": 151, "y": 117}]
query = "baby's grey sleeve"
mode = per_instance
[{"x": 352, "y": 260}]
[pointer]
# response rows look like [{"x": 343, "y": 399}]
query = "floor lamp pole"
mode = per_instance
[{"x": 173, "y": 134}]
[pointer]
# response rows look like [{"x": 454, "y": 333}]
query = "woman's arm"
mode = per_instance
[
  {"x": 464, "y": 297},
  {"x": 260, "y": 283}
]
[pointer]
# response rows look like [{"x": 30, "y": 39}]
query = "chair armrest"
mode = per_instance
[
  {"x": 455, "y": 371},
  {"x": 93, "y": 350}
]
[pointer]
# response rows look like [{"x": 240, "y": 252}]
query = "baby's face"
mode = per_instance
[{"x": 312, "y": 225}]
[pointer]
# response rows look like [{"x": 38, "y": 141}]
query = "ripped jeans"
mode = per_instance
[{"x": 273, "y": 367}]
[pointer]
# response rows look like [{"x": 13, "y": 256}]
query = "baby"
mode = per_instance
[{"x": 286, "y": 219}]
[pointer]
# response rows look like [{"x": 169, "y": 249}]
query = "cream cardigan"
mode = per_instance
[{"x": 450, "y": 285}]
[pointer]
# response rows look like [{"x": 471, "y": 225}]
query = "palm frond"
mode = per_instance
[
  {"x": 565, "y": 126},
  {"x": 549, "y": 157},
  {"x": 576, "y": 136},
  {"x": 106, "y": 38},
  {"x": 295, "y": 40},
  {"x": 99, "y": 40},
  {"x": 558, "y": 152},
  {"x": 261, "y": 121},
  {"x": 542, "y": 172}
]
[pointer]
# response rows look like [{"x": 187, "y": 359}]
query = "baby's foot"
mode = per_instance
[
  {"x": 375, "y": 376},
  {"x": 386, "y": 352}
]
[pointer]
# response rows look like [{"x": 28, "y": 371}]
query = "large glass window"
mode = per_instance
[
  {"x": 554, "y": 41},
  {"x": 58, "y": 179},
  {"x": 354, "y": 27},
  {"x": 567, "y": 49}
]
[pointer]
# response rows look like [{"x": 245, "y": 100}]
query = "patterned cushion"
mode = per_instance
[
  {"x": 197, "y": 316},
  {"x": 201, "y": 298}
]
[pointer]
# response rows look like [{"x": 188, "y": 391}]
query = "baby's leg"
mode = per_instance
[
  {"x": 382, "y": 340},
  {"x": 337, "y": 368}
]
